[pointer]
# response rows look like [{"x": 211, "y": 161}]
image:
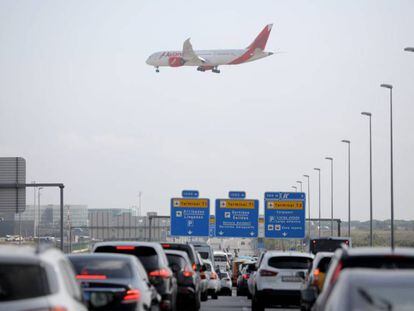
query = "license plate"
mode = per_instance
[{"x": 291, "y": 279}]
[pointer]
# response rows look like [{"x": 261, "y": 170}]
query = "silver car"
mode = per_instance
[{"x": 37, "y": 279}]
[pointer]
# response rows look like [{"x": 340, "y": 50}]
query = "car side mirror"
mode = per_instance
[
  {"x": 301, "y": 274},
  {"x": 308, "y": 295}
]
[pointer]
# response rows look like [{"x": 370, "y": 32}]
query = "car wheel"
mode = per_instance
[
  {"x": 249, "y": 296},
  {"x": 214, "y": 296},
  {"x": 204, "y": 296},
  {"x": 256, "y": 304}
]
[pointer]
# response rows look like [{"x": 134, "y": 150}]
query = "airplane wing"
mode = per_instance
[{"x": 189, "y": 55}]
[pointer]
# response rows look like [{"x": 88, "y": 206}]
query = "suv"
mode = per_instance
[
  {"x": 37, "y": 279},
  {"x": 155, "y": 262},
  {"x": 364, "y": 257},
  {"x": 279, "y": 279}
]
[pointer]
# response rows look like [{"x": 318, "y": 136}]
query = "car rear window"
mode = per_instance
[
  {"x": 204, "y": 255},
  {"x": 220, "y": 258},
  {"x": 176, "y": 259},
  {"x": 20, "y": 281},
  {"x": 289, "y": 262},
  {"x": 111, "y": 268},
  {"x": 147, "y": 255},
  {"x": 384, "y": 262},
  {"x": 323, "y": 264}
]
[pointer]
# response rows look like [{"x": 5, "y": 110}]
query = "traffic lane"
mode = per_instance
[{"x": 233, "y": 303}]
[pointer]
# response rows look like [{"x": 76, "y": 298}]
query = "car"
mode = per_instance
[
  {"x": 205, "y": 251},
  {"x": 251, "y": 282},
  {"x": 114, "y": 282},
  {"x": 244, "y": 275},
  {"x": 214, "y": 284},
  {"x": 155, "y": 262},
  {"x": 221, "y": 261},
  {"x": 364, "y": 257},
  {"x": 279, "y": 279},
  {"x": 225, "y": 284},
  {"x": 195, "y": 260},
  {"x": 372, "y": 289},
  {"x": 188, "y": 288},
  {"x": 39, "y": 278},
  {"x": 328, "y": 244},
  {"x": 205, "y": 278},
  {"x": 315, "y": 278}
]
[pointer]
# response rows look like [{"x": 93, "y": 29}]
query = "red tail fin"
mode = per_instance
[{"x": 261, "y": 39}]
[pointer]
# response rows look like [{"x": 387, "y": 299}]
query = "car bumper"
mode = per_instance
[{"x": 274, "y": 297}]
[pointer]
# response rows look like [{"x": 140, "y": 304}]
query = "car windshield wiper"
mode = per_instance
[{"x": 381, "y": 303}]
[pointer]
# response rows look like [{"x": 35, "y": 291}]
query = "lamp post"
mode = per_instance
[
  {"x": 331, "y": 160},
  {"x": 38, "y": 211},
  {"x": 296, "y": 188},
  {"x": 389, "y": 87},
  {"x": 409, "y": 49},
  {"x": 348, "y": 142},
  {"x": 319, "y": 199},
  {"x": 309, "y": 203},
  {"x": 369, "y": 115},
  {"x": 300, "y": 183}
]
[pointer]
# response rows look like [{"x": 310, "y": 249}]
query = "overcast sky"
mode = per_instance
[{"x": 79, "y": 103}]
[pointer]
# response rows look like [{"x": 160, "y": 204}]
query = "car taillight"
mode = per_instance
[
  {"x": 132, "y": 295},
  {"x": 315, "y": 276},
  {"x": 188, "y": 272},
  {"x": 245, "y": 276},
  {"x": 213, "y": 276},
  {"x": 166, "y": 245},
  {"x": 58, "y": 308},
  {"x": 162, "y": 273},
  {"x": 202, "y": 275},
  {"x": 194, "y": 267},
  {"x": 91, "y": 277},
  {"x": 125, "y": 247},
  {"x": 267, "y": 273},
  {"x": 336, "y": 273}
]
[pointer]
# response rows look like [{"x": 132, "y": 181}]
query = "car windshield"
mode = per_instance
[
  {"x": 383, "y": 297},
  {"x": 111, "y": 268},
  {"x": 289, "y": 262},
  {"x": 21, "y": 281},
  {"x": 147, "y": 255}
]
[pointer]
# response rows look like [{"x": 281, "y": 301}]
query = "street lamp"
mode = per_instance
[
  {"x": 309, "y": 203},
  {"x": 369, "y": 115},
  {"x": 300, "y": 183},
  {"x": 319, "y": 199},
  {"x": 348, "y": 142},
  {"x": 409, "y": 49},
  {"x": 38, "y": 211},
  {"x": 296, "y": 188},
  {"x": 389, "y": 86},
  {"x": 331, "y": 159}
]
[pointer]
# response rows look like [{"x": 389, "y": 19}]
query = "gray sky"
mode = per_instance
[{"x": 79, "y": 103}]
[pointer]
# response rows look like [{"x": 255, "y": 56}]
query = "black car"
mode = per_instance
[
  {"x": 155, "y": 262},
  {"x": 242, "y": 288},
  {"x": 195, "y": 260},
  {"x": 188, "y": 296},
  {"x": 114, "y": 282}
]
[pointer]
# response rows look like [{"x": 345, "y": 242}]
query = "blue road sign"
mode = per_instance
[
  {"x": 237, "y": 218},
  {"x": 212, "y": 227},
  {"x": 190, "y": 193},
  {"x": 237, "y": 195},
  {"x": 285, "y": 215},
  {"x": 190, "y": 217}
]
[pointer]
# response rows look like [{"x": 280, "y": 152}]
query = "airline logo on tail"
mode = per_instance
[{"x": 212, "y": 59}]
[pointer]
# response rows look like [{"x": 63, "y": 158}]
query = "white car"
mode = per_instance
[
  {"x": 225, "y": 282},
  {"x": 279, "y": 278},
  {"x": 221, "y": 261},
  {"x": 214, "y": 285},
  {"x": 37, "y": 279}
]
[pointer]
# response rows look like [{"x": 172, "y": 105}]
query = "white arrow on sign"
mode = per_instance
[
  {"x": 221, "y": 232},
  {"x": 190, "y": 232},
  {"x": 284, "y": 234},
  {"x": 252, "y": 233}
]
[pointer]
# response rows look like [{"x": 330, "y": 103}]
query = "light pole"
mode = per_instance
[
  {"x": 296, "y": 188},
  {"x": 300, "y": 183},
  {"x": 38, "y": 211},
  {"x": 348, "y": 142},
  {"x": 409, "y": 49},
  {"x": 309, "y": 203},
  {"x": 331, "y": 160},
  {"x": 369, "y": 115},
  {"x": 389, "y": 86},
  {"x": 319, "y": 199}
]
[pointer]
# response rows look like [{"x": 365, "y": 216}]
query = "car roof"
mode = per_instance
[
  {"x": 102, "y": 256},
  {"x": 219, "y": 253},
  {"x": 377, "y": 251},
  {"x": 127, "y": 243},
  {"x": 15, "y": 253},
  {"x": 366, "y": 276},
  {"x": 287, "y": 254}
]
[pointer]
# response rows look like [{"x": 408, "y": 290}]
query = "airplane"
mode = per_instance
[{"x": 211, "y": 59}]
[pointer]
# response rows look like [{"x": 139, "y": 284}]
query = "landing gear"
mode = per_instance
[
  {"x": 156, "y": 69},
  {"x": 215, "y": 70},
  {"x": 201, "y": 69}
]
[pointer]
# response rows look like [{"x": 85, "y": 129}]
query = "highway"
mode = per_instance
[{"x": 233, "y": 303}]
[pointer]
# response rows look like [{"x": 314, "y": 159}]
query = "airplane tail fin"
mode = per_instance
[{"x": 261, "y": 39}]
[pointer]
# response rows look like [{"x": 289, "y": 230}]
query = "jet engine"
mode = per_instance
[{"x": 176, "y": 61}]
